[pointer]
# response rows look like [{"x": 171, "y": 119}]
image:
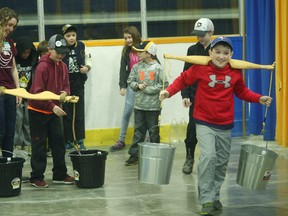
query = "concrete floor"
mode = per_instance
[{"x": 122, "y": 194}]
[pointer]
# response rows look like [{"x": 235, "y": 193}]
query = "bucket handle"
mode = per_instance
[
  {"x": 9, "y": 158},
  {"x": 263, "y": 153},
  {"x": 79, "y": 153},
  {"x": 266, "y": 110},
  {"x": 158, "y": 125},
  {"x": 14, "y": 155}
]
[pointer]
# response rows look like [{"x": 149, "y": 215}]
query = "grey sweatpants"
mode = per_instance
[{"x": 215, "y": 145}]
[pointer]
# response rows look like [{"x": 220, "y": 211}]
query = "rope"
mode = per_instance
[
  {"x": 163, "y": 85},
  {"x": 75, "y": 141},
  {"x": 266, "y": 110}
]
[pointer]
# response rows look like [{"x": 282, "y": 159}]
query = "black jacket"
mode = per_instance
[
  {"x": 124, "y": 68},
  {"x": 196, "y": 49},
  {"x": 74, "y": 59},
  {"x": 26, "y": 67}
]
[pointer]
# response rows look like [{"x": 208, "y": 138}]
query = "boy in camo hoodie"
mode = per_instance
[{"x": 147, "y": 80}]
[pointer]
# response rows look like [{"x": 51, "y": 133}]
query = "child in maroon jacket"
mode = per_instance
[{"x": 51, "y": 75}]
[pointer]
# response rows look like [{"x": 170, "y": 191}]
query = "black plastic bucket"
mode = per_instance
[
  {"x": 89, "y": 167},
  {"x": 10, "y": 176}
]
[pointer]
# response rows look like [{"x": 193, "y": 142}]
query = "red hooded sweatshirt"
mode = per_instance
[
  {"x": 49, "y": 76},
  {"x": 214, "y": 100}
]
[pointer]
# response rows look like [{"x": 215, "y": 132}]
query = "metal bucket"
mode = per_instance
[
  {"x": 255, "y": 166},
  {"x": 155, "y": 162}
]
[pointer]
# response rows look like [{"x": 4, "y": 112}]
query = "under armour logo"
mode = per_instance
[{"x": 214, "y": 81}]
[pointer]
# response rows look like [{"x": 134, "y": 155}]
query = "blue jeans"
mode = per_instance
[
  {"x": 7, "y": 123},
  {"x": 128, "y": 109}
]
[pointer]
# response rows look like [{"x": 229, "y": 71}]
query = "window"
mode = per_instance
[{"x": 105, "y": 19}]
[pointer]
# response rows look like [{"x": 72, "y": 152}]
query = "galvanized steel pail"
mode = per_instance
[
  {"x": 255, "y": 166},
  {"x": 155, "y": 162}
]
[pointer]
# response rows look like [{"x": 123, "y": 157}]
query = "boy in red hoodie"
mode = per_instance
[
  {"x": 51, "y": 75},
  {"x": 214, "y": 116}
]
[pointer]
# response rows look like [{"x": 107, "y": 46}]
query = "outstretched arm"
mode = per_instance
[
  {"x": 163, "y": 95},
  {"x": 265, "y": 100}
]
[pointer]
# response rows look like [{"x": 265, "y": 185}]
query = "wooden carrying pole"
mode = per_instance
[
  {"x": 204, "y": 60},
  {"x": 46, "y": 95}
]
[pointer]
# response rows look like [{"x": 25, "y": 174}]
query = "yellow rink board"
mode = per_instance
[{"x": 108, "y": 136}]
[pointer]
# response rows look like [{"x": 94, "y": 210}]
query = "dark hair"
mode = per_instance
[
  {"x": 6, "y": 14},
  {"x": 42, "y": 47},
  {"x": 133, "y": 31}
]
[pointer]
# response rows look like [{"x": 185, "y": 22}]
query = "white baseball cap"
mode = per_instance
[{"x": 202, "y": 26}]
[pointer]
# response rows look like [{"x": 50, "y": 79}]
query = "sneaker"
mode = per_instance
[
  {"x": 118, "y": 146},
  {"x": 207, "y": 209},
  {"x": 68, "y": 145},
  {"x": 39, "y": 183},
  {"x": 68, "y": 180},
  {"x": 217, "y": 205},
  {"x": 131, "y": 161},
  {"x": 25, "y": 179},
  {"x": 188, "y": 165},
  {"x": 81, "y": 144}
]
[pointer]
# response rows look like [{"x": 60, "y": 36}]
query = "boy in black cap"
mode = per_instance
[
  {"x": 214, "y": 116},
  {"x": 79, "y": 64},
  {"x": 51, "y": 75}
]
